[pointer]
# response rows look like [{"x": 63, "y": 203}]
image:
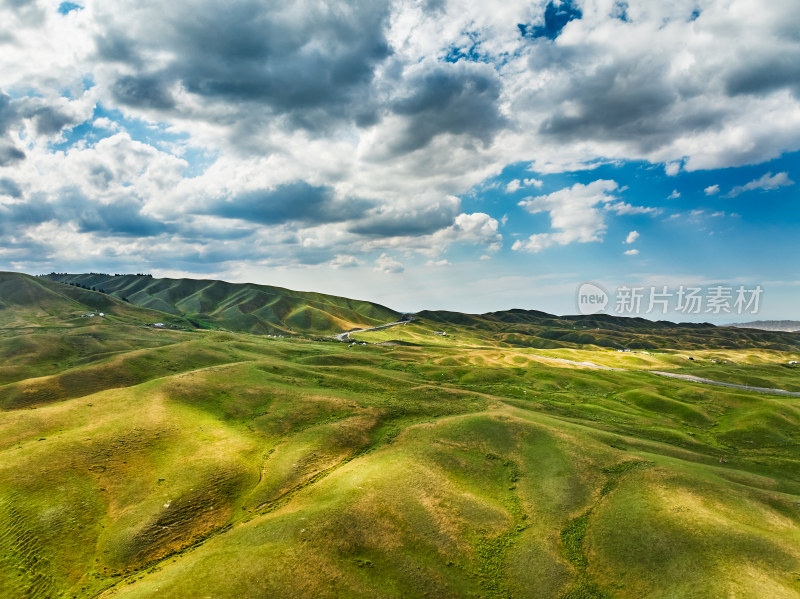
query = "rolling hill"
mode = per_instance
[
  {"x": 262, "y": 309},
  {"x": 531, "y": 328},
  {"x": 182, "y": 462},
  {"x": 250, "y": 308}
]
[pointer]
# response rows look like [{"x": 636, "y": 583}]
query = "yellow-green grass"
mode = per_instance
[{"x": 203, "y": 464}]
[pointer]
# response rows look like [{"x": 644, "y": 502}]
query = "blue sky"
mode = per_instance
[{"x": 423, "y": 154}]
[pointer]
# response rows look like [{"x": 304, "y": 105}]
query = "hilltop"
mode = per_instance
[{"x": 770, "y": 325}]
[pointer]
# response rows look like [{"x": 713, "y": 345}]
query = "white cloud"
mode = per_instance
[
  {"x": 442, "y": 262},
  {"x": 388, "y": 265},
  {"x": 632, "y": 236},
  {"x": 687, "y": 93},
  {"x": 711, "y": 190},
  {"x": 574, "y": 215},
  {"x": 674, "y": 195},
  {"x": 623, "y": 208},
  {"x": 516, "y": 184},
  {"x": 767, "y": 182},
  {"x": 476, "y": 229},
  {"x": 631, "y": 252},
  {"x": 345, "y": 261}
]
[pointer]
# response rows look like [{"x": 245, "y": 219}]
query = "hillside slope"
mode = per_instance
[
  {"x": 258, "y": 309},
  {"x": 143, "y": 462},
  {"x": 175, "y": 463},
  {"x": 27, "y": 301},
  {"x": 532, "y": 328}
]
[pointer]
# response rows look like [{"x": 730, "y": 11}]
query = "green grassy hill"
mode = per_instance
[
  {"x": 138, "y": 462},
  {"x": 531, "y": 328},
  {"x": 250, "y": 308},
  {"x": 27, "y": 301}
]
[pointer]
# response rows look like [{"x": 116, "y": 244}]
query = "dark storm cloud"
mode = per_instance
[
  {"x": 24, "y": 214},
  {"x": 409, "y": 223},
  {"x": 312, "y": 66},
  {"x": 143, "y": 91},
  {"x": 116, "y": 46},
  {"x": 7, "y": 112},
  {"x": 765, "y": 74},
  {"x": 9, "y": 154},
  {"x": 625, "y": 101},
  {"x": 291, "y": 202},
  {"x": 457, "y": 98},
  {"x": 10, "y": 188},
  {"x": 49, "y": 121},
  {"x": 17, "y": 4},
  {"x": 26, "y": 11},
  {"x": 122, "y": 217}
]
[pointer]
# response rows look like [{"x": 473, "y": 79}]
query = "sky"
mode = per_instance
[{"x": 424, "y": 154}]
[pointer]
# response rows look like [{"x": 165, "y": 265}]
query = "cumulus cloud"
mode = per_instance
[
  {"x": 674, "y": 195},
  {"x": 632, "y": 236},
  {"x": 312, "y": 63},
  {"x": 458, "y": 99},
  {"x": 306, "y": 133},
  {"x": 290, "y": 202},
  {"x": 631, "y": 252},
  {"x": 516, "y": 184},
  {"x": 711, "y": 190},
  {"x": 388, "y": 265},
  {"x": 409, "y": 219},
  {"x": 574, "y": 215},
  {"x": 442, "y": 262},
  {"x": 345, "y": 261},
  {"x": 767, "y": 182},
  {"x": 10, "y": 188}
]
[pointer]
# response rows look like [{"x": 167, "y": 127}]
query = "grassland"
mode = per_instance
[
  {"x": 257, "y": 309},
  {"x": 139, "y": 462}
]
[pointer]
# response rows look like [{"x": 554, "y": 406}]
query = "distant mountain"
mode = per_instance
[
  {"x": 250, "y": 308},
  {"x": 770, "y": 325},
  {"x": 532, "y": 328},
  {"x": 262, "y": 309}
]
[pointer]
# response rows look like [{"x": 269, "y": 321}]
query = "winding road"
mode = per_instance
[
  {"x": 698, "y": 379},
  {"x": 345, "y": 337}
]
